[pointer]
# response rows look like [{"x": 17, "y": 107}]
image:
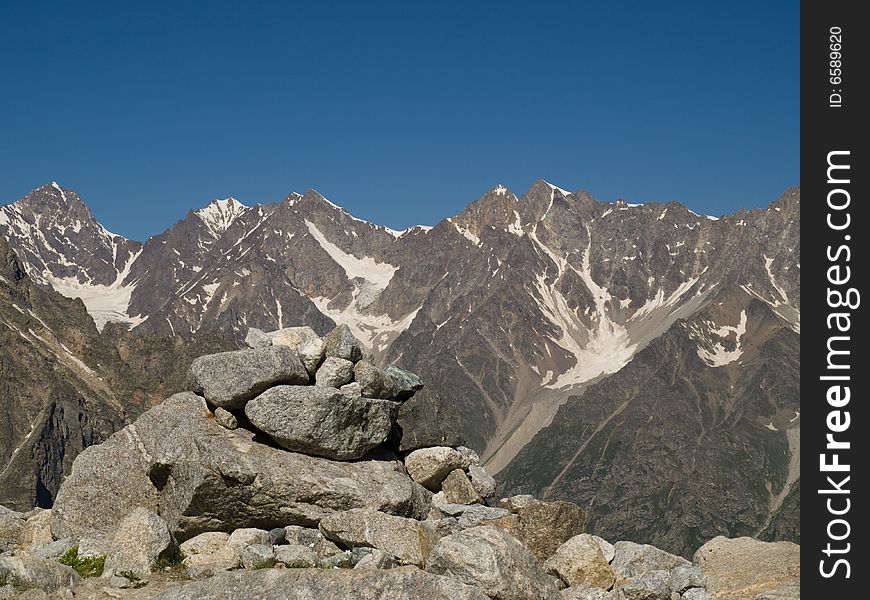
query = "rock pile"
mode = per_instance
[{"x": 281, "y": 474}]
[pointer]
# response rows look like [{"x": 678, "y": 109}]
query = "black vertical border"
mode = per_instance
[{"x": 825, "y": 129}]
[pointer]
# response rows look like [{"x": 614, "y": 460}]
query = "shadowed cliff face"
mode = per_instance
[{"x": 515, "y": 311}]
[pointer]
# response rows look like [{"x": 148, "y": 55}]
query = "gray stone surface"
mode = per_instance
[
  {"x": 377, "y": 559},
  {"x": 26, "y": 571},
  {"x": 293, "y": 337},
  {"x": 685, "y": 577},
  {"x": 404, "y": 583},
  {"x": 334, "y": 373},
  {"x": 541, "y": 525},
  {"x": 588, "y": 593},
  {"x": 741, "y": 568},
  {"x": 321, "y": 421},
  {"x": 201, "y": 477},
  {"x": 702, "y": 594},
  {"x": 579, "y": 561},
  {"x": 257, "y": 556},
  {"x": 247, "y": 536},
  {"x": 354, "y": 390},
  {"x": 373, "y": 382},
  {"x": 209, "y": 553},
  {"x": 789, "y": 591},
  {"x": 495, "y": 561},
  {"x": 407, "y": 539},
  {"x": 225, "y": 418},
  {"x": 311, "y": 355},
  {"x": 296, "y": 557},
  {"x": 341, "y": 343},
  {"x": 257, "y": 338},
  {"x": 606, "y": 547},
  {"x": 633, "y": 560},
  {"x": 458, "y": 489},
  {"x": 472, "y": 515},
  {"x": 482, "y": 481},
  {"x": 429, "y": 466},
  {"x": 652, "y": 585},
  {"x": 406, "y": 382},
  {"x": 141, "y": 539},
  {"x": 230, "y": 379}
]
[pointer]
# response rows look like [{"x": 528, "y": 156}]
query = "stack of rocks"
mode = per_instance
[{"x": 280, "y": 474}]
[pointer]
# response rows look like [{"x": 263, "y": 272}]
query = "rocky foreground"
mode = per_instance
[{"x": 282, "y": 473}]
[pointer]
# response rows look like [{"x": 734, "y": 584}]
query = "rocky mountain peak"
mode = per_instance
[
  {"x": 11, "y": 270},
  {"x": 219, "y": 215}
]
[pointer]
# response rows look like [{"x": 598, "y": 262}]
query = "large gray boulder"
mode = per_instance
[
  {"x": 403, "y": 583},
  {"x": 321, "y": 421},
  {"x": 341, "y": 343},
  {"x": 495, "y": 561},
  {"x": 334, "y": 372},
  {"x": 198, "y": 476},
  {"x": 257, "y": 338},
  {"x": 407, "y": 539},
  {"x": 743, "y": 568},
  {"x": 430, "y": 466},
  {"x": 209, "y": 553},
  {"x": 633, "y": 560},
  {"x": 140, "y": 541},
  {"x": 579, "y": 561},
  {"x": 26, "y": 571},
  {"x": 230, "y": 379}
]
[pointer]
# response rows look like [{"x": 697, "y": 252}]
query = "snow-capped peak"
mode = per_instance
[
  {"x": 556, "y": 188},
  {"x": 220, "y": 214}
]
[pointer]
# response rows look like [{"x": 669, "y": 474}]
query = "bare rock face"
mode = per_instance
[
  {"x": 579, "y": 562},
  {"x": 321, "y": 421},
  {"x": 231, "y": 379},
  {"x": 430, "y": 466},
  {"x": 494, "y": 560},
  {"x": 407, "y": 539},
  {"x": 140, "y": 540},
  {"x": 744, "y": 568},
  {"x": 200, "y": 477},
  {"x": 403, "y": 583}
]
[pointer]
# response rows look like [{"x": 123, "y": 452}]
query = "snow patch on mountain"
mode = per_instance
[
  {"x": 378, "y": 273},
  {"x": 714, "y": 353},
  {"x": 220, "y": 214}
]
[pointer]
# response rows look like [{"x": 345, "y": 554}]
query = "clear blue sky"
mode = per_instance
[{"x": 402, "y": 112}]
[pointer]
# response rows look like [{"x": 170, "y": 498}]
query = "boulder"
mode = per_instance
[
  {"x": 140, "y": 541},
  {"x": 744, "y": 567},
  {"x": 404, "y": 583},
  {"x": 225, "y": 418},
  {"x": 495, "y": 561},
  {"x": 458, "y": 489},
  {"x": 302, "y": 536},
  {"x": 473, "y": 515},
  {"x": 424, "y": 421},
  {"x": 702, "y": 594},
  {"x": 482, "y": 481},
  {"x": 12, "y": 525},
  {"x": 341, "y": 343},
  {"x": 294, "y": 556},
  {"x": 579, "y": 561},
  {"x": 249, "y": 536},
  {"x": 257, "y": 338},
  {"x": 351, "y": 389},
  {"x": 373, "y": 382},
  {"x": 26, "y": 571},
  {"x": 198, "y": 476},
  {"x": 209, "y": 553},
  {"x": 542, "y": 526},
  {"x": 408, "y": 540},
  {"x": 471, "y": 457},
  {"x": 407, "y": 383},
  {"x": 377, "y": 559},
  {"x": 606, "y": 547},
  {"x": 321, "y": 421},
  {"x": 52, "y": 550},
  {"x": 633, "y": 560},
  {"x": 341, "y": 560},
  {"x": 429, "y": 466},
  {"x": 334, "y": 372},
  {"x": 685, "y": 577},
  {"x": 652, "y": 585},
  {"x": 517, "y": 502},
  {"x": 257, "y": 556},
  {"x": 311, "y": 355},
  {"x": 230, "y": 379},
  {"x": 293, "y": 337}
]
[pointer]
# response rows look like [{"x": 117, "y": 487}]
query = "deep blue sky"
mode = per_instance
[{"x": 403, "y": 112}]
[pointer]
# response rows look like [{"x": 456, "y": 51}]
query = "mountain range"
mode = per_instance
[{"x": 641, "y": 360}]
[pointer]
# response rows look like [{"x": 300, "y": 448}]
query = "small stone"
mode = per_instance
[
  {"x": 225, "y": 418},
  {"x": 257, "y": 338},
  {"x": 276, "y": 536},
  {"x": 406, "y": 382},
  {"x": 482, "y": 481},
  {"x": 374, "y": 383},
  {"x": 257, "y": 556},
  {"x": 293, "y": 337},
  {"x": 296, "y": 556},
  {"x": 311, "y": 355},
  {"x": 458, "y": 489},
  {"x": 334, "y": 372},
  {"x": 429, "y": 466},
  {"x": 341, "y": 343}
]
